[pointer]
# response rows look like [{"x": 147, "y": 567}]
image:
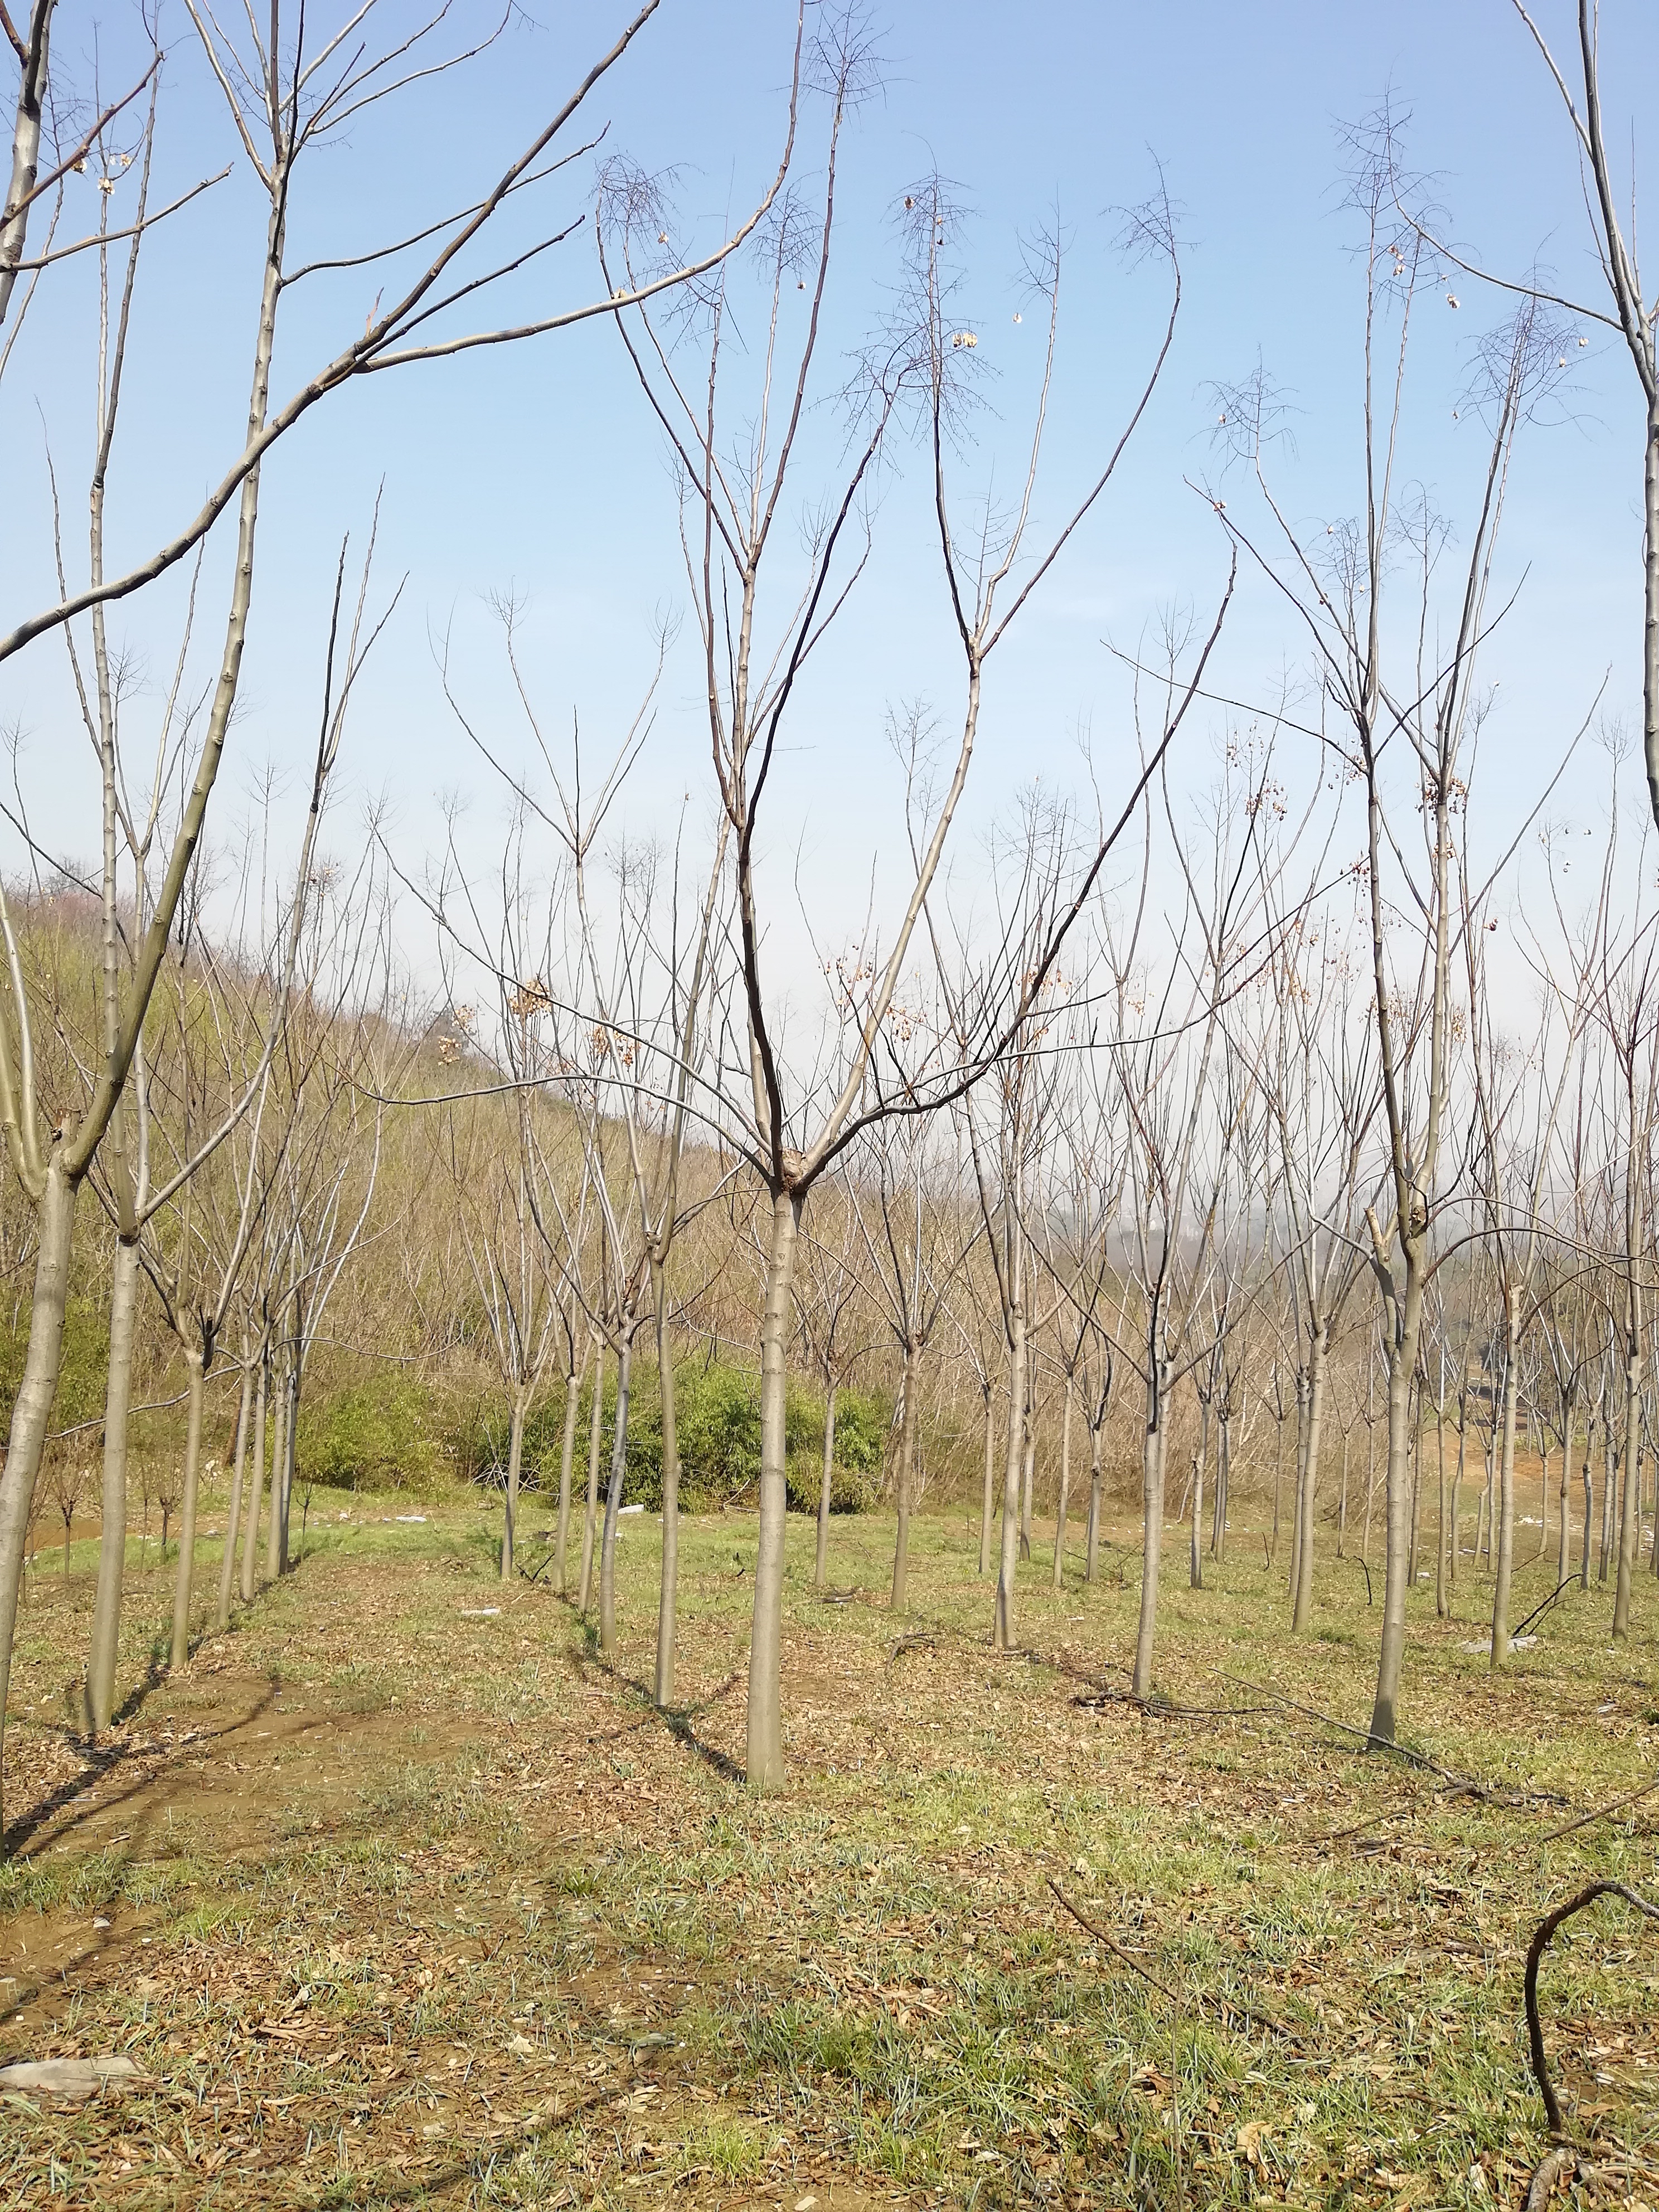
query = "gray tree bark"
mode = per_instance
[
  {"x": 1065, "y": 1479},
  {"x": 595, "y": 1425},
  {"x": 514, "y": 1462},
  {"x": 1151, "y": 1532},
  {"x": 567, "y": 1459},
  {"x": 906, "y": 1467},
  {"x": 185, "y": 1572},
  {"x": 764, "y": 1768},
  {"x": 227, "y": 1560},
  {"x": 613, "y": 1501},
  {"x": 112, "y": 1538},
  {"x": 668, "y": 1588},
  {"x": 257, "y": 1480},
  {"x": 827, "y": 1478},
  {"x": 33, "y": 1409}
]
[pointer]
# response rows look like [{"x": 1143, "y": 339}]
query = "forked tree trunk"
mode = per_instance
[
  {"x": 32, "y": 1410},
  {"x": 590, "y": 1514},
  {"x": 1008, "y": 1563},
  {"x": 573, "y": 1382},
  {"x": 613, "y": 1500},
  {"x": 1151, "y": 1534},
  {"x": 1302, "y": 1609},
  {"x": 257, "y": 1481},
  {"x": 1505, "y": 1499},
  {"x": 668, "y": 1584},
  {"x": 184, "y": 1573},
  {"x": 764, "y": 1767},
  {"x": 514, "y": 1458},
  {"x": 227, "y": 1560},
  {"x": 906, "y": 1468},
  {"x": 1064, "y": 1481},
  {"x": 1093, "y": 1555},
  {"x": 825, "y": 1483},
  {"x": 989, "y": 1488},
  {"x": 113, "y": 1538}
]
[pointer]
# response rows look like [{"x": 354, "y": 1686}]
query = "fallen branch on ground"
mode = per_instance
[
  {"x": 1246, "y": 2013},
  {"x": 1541, "y": 1943}
]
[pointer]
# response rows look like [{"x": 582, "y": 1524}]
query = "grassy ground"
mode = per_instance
[{"x": 402, "y": 1901}]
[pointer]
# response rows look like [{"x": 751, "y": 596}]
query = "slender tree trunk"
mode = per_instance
[
  {"x": 1604, "y": 1539},
  {"x": 1629, "y": 1518},
  {"x": 290, "y": 1454},
  {"x": 1151, "y": 1532},
  {"x": 1500, "y": 1603},
  {"x": 1093, "y": 1554},
  {"x": 1342, "y": 1501},
  {"x": 1371, "y": 1490},
  {"x": 590, "y": 1516},
  {"x": 1065, "y": 1480},
  {"x": 113, "y": 1538},
  {"x": 1543, "y": 1459},
  {"x": 276, "y": 1548},
  {"x": 764, "y": 1767},
  {"x": 1392, "y": 1655},
  {"x": 1224, "y": 1471},
  {"x": 906, "y": 1466},
  {"x": 183, "y": 1575},
  {"x": 1295, "y": 1582},
  {"x": 1442, "y": 1594},
  {"x": 32, "y": 1410},
  {"x": 990, "y": 1480},
  {"x": 1563, "y": 1532},
  {"x": 514, "y": 1460},
  {"x": 826, "y": 1480},
  {"x": 1278, "y": 1477},
  {"x": 613, "y": 1500},
  {"x": 227, "y": 1558},
  {"x": 1457, "y": 1485},
  {"x": 1310, "y": 1483},
  {"x": 1416, "y": 1505},
  {"x": 573, "y": 1386},
  {"x": 1029, "y": 1464},
  {"x": 668, "y": 1586},
  {"x": 1588, "y": 1478},
  {"x": 1009, "y": 1564},
  {"x": 257, "y": 1484}
]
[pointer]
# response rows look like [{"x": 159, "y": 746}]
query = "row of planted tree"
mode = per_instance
[{"x": 1301, "y": 1049}]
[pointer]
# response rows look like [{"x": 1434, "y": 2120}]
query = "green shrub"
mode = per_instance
[
  {"x": 395, "y": 1430},
  {"x": 376, "y": 1435},
  {"x": 851, "y": 1490}
]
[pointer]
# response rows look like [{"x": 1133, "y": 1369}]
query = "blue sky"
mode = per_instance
[{"x": 537, "y": 469}]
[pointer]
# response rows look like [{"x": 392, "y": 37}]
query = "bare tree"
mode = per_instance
[
  {"x": 285, "y": 100},
  {"x": 1337, "y": 584}
]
